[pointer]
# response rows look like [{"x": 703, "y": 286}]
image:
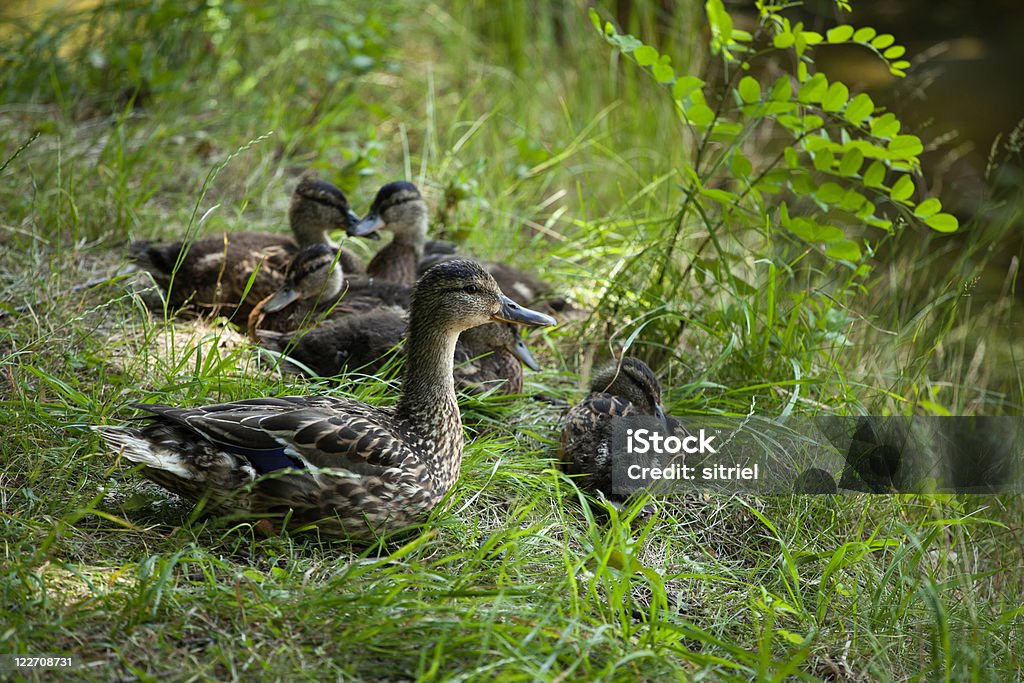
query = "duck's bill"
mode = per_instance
[
  {"x": 351, "y": 218},
  {"x": 281, "y": 298},
  {"x": 521, "y": 351},
  {"x": 659, "y": 413},
  {"x": 511, "y": 312},
  {"x": 367, "y": 227}
]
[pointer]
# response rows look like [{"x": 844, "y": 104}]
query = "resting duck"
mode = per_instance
[
  {"x": 399, "y": 208},
  {"x": 348, "y": 468},
  {"x": 619, "y": 389},
  {"x": 486, "y": 357},
  {"x": 315, "y": 286},
  {"x": 212, "y": 274}
]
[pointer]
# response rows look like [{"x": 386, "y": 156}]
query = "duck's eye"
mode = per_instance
[{"x": 470, "y": 289}]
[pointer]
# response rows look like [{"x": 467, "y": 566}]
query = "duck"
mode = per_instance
[
  {"x": 399, "y": 208},
  {"x": 490, "y": 357},
  {"x": 625, "y": 388},
  {"x": 487, "y": 357},
  {"x": 332, "y": 463},
  {"x": 315, "y": 287},
  {"x": 228, "y": 274}
]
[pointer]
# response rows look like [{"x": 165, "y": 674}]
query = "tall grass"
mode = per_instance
[{"x": 535, "y": 145}]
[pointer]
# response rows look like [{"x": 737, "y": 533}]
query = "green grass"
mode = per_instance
[{"x": 143, "y": 119}]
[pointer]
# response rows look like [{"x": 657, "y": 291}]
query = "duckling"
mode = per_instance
[
  {"x": 315, "y": 286},
  {"x": 400, "y": 208},
  {"x": 492, "y": 356},
  {"x": 486, "y": 357},
  {"x": 348, "y": 468},
  {"x": 619, "y": 389},
  {"x": 363, "y": 342},
  {"x": 212, "y": 274}
]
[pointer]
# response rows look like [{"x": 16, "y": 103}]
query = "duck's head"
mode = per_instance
[
  {"x": 500, "y": 337},
  {"x": 632, "y": 380},
  {"x": 315, "y": 271},
  {"x": 318, "y": 208},
  {"x": 400, "y": 208},
  {"x": 459, "y": 294}
]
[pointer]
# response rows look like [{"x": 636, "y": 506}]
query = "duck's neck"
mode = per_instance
[
  {"x": 428, "y": 406},
  {"x": 306, "y": 235}
]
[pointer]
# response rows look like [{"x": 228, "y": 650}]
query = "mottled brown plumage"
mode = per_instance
[
  {"x": 348, "y": 468},
  {"x": 619, "y": 389},
  {"x": 399, "y": 208},
  {"x": 315, "y": 288},
  {"x": 210, "y": 275}
]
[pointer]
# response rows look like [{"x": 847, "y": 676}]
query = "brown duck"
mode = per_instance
[
  {"x": 212, "y": 275},
  {"x": 400, "y": 209},
  {"x": 619, "y": 389},
  {"x": 340, "y": 465}
]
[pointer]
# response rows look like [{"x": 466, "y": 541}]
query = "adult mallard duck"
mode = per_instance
[
  {"x": 315, "y": 286},
  {"x": 619, "y": 389},
  {"x": 346, "y": 467},
  {"x": 399, "y": 208},
  {"x": 213, "y": 274}
]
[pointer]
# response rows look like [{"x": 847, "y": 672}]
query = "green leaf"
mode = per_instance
[
  {"x": 595, "y": 19},
  {"x": 882, "y": 41},
  {"x": 860, "y": 107},
  {"x": 663, "y": 73},
  {"x": 840, "y": 34},
  {"x": 791, "y": 156},
  {"x": 865, "y": 34},
  {"x": 875, "y": 175},
  {"x": 740, "y": 165},
  {"x": 723, "y": 197},
  {"x": 812, "y": 231},
  {"x": 700, "y": 114},
  {"x": 783, "y": 40},
  {"x": 943, "y": 222},
  {"x": 836, "y": 97},
  {"x": 845, "y": 250},
  {"x": 894, "y": 52},
  {"x": 928, "y": 208},
  {"x": 905, "y": 146},
  {"x": 814, "y": 89},
  {"x": 686, "y": 85},
  {"x": 645, "y": 55},
  {"x": 902, "y": 189},
  {"x": 885, "y": 126},
  {"x": 851, "y": 162},
  {"x": 830, "y": 193},
  {"x": 824, "y": 159},
  {"x": 782, "y": 89},
  {"x": 750, "y": 90},
  {"x": 852, "y": 201}
]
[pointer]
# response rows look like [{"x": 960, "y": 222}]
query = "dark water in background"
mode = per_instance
[{"x": 964, "y": 89}]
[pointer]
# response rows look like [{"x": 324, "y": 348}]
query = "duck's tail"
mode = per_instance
[{"x": 178, "y": 462}]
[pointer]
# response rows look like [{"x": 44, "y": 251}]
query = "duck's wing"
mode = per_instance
[
  {"x": 586, "y": 441},
  {"x": 295, "y": 431}
]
